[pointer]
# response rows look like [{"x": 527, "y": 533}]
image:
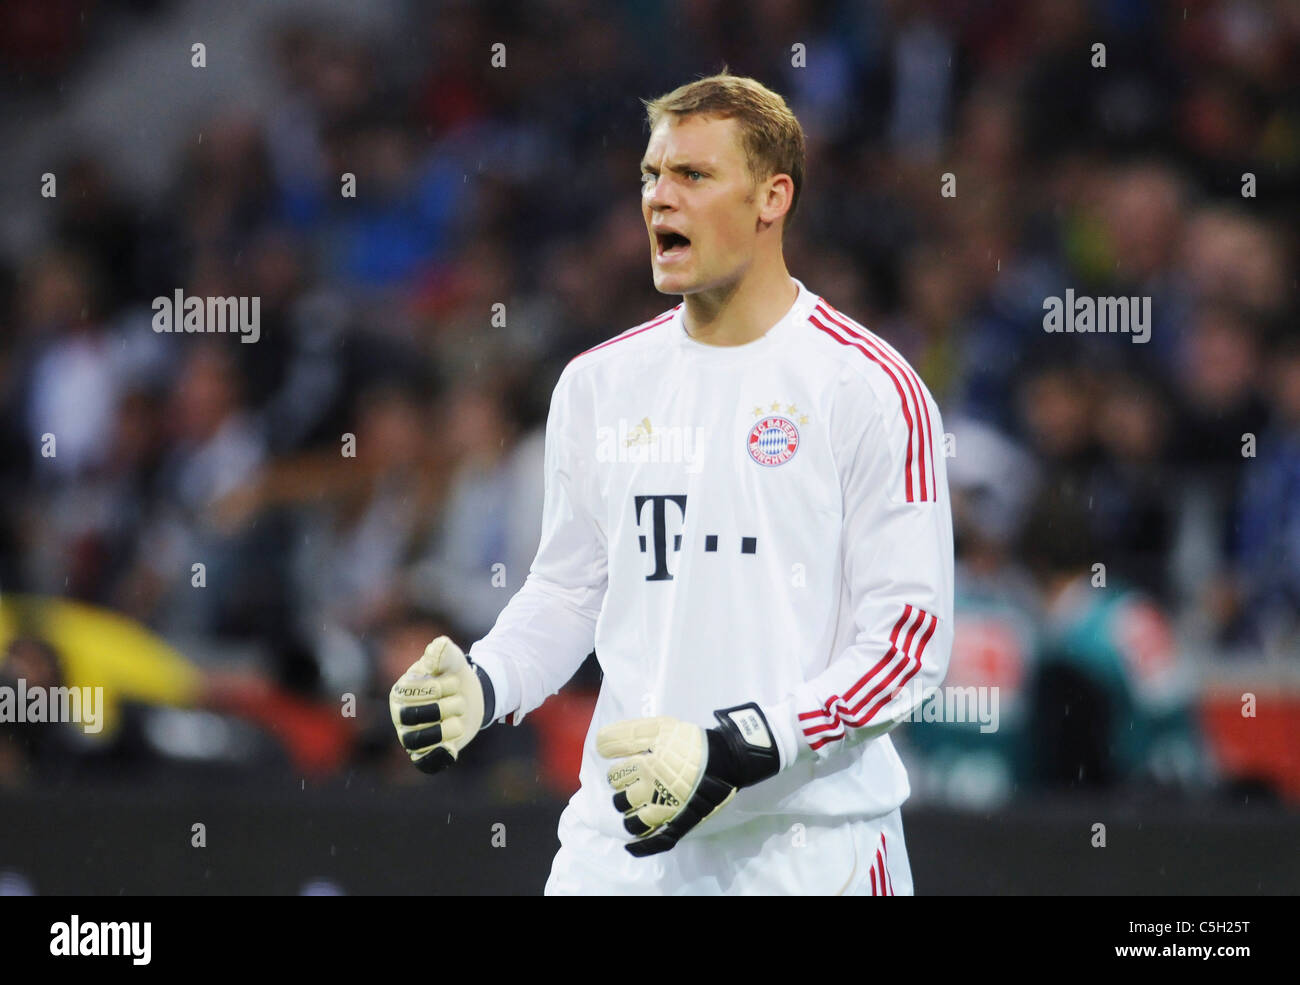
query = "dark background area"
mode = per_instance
[{"x": 359, "y": 841}]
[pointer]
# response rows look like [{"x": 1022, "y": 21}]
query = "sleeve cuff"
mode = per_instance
[
  {"x": 504, "y": 685},
  {"x": 781, "y": 719}
]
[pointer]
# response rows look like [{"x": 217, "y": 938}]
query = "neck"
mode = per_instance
[{"x": 742, "y": 311}]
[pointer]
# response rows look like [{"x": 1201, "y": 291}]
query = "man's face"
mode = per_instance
[{"x": 695, "y": 182}]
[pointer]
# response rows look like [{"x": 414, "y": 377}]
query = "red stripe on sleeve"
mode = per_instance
[
  {"x": 826, "y": 711},
  {"x": 907, "y": 414},
  {"x": 884, "y": 354},
  {"x": 908, "y": 374},
  {"x": 830, "y": 721}
]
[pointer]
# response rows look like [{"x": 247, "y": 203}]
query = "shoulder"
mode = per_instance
[
  {"x": 865, "y": 360},
  {"x": 877, "y": 385},
  {"x": 629, "y": 344},
  {"x": 575, "y": 392}
]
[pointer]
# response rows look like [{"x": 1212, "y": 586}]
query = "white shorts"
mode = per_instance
[{"x": 771, "y": 855}]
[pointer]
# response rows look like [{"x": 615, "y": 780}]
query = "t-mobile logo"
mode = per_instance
[{"x": 657, "y": 539}]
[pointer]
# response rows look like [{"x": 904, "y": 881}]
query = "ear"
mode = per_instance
[{"x": 774, "y": 196}]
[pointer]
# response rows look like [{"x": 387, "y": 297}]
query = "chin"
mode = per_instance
[{"x": 672, "y": 283}]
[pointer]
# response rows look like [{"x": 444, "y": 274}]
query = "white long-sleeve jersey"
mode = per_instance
[{"x": 766, "y": 522}]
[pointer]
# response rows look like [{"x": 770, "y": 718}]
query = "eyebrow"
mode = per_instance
[{"x": 679, "y": 168}]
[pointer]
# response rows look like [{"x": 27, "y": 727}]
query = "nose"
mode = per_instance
[{"x": 659, "y": 195}]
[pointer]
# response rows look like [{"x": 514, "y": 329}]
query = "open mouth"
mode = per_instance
[{"x": 672, "y": 245}]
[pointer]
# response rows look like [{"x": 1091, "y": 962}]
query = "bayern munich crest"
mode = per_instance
[{"x": 773, "y": 441}]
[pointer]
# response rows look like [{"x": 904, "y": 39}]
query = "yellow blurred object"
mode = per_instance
[{"x": 100, "y": 648}]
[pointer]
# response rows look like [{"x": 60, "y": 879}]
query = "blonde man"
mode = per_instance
[{"x": 747, "y": 517}]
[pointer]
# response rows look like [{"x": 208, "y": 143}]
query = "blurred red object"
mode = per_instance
[
  {"x": 316, "y": 737},
  {"x": 1265, "y": 747},
  {"x": 561, "y": 724}
]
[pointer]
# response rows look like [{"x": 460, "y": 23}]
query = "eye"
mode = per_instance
[
  {"x": 694, "y": 173},
  {"x": 644, "y": 176}
]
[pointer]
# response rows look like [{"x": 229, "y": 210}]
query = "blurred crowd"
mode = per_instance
[{"x": 369, "y": 473}]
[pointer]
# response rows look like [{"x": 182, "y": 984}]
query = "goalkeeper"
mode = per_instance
[{"x": 747, "y": 518}]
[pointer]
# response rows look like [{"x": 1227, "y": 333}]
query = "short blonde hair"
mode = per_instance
[{"x": 770, "y": 134}]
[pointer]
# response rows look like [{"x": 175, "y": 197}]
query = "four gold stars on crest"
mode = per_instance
[{"x": 789, "y": 409}]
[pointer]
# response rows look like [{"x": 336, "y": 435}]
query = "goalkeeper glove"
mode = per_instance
[
  {"x": 675, "y": 774},
  {"x": 440, "y": 704}
]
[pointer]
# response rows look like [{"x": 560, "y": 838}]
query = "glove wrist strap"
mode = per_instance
[
  {"x": 742, "y": 750},
  {"x": 489, "y": 694}
]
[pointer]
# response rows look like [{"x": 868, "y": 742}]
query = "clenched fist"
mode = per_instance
[{"x": 439, "y": 705}]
